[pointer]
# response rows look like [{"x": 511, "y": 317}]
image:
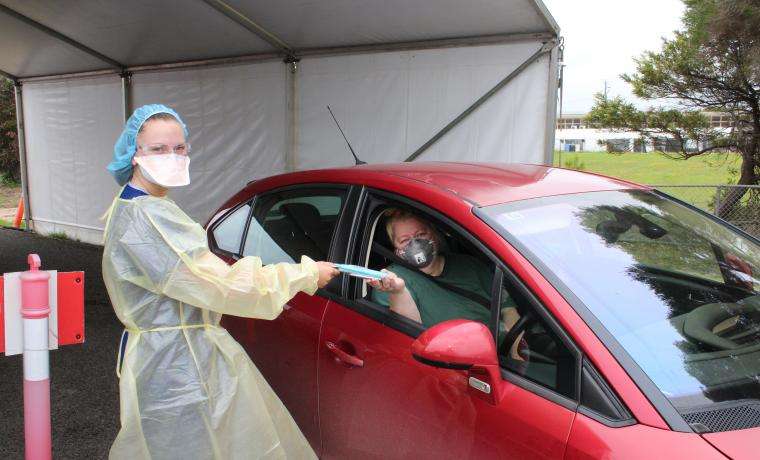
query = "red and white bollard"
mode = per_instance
[{"x": 35, "y": 310}]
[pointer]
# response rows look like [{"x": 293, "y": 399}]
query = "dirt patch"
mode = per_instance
[{"x": 9, "y": 196}]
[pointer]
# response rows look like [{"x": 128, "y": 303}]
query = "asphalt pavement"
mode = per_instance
[{"x": 84, "y": 387}]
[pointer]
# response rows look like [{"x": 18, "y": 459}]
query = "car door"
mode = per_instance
[
  {"x": 281, "y": 226},
  {"x": 377, "y": 401}
]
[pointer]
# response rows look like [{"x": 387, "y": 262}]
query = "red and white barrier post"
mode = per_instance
[
  {"x": 39, "y": 311},
  {"x": 35, "y": 311}
]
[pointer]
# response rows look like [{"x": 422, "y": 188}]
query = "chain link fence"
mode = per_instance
[{"x": 738, "y": 204}]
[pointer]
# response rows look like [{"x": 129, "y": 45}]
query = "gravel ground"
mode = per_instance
[{"x": 84, "y": 387}]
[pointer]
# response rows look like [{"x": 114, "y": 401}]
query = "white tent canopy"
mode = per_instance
[{"x": 252, "y": 79}]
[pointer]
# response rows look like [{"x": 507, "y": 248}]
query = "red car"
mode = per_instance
[{"x": 638, "y": 333}]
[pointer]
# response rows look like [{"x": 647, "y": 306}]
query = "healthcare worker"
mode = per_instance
[{"x": 188, "y": 390}]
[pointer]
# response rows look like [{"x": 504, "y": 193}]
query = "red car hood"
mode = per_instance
[{"x": 737, "y": 445}]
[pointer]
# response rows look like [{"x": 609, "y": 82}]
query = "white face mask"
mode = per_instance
[{"x": 167, "y": 170}]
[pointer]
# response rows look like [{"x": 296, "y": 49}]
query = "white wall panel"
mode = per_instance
[
  {"x": 70, "y": 131},
  {"x": 389, "y": 104},
  {"x": 237, "y": 121}
]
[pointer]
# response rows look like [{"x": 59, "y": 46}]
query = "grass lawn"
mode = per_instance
[
  {"x": 6, "y": 223},
  {"x": 657, "y": 169}
]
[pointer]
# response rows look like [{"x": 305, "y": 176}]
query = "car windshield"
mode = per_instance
[{"x": 673, "y": 286}]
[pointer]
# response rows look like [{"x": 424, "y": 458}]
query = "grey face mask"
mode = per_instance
[{"x": 419, "y": 252}]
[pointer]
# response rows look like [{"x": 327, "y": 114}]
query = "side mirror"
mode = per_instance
[{"x": 463, "y": 345}]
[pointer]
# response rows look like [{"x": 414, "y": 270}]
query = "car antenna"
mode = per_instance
[{"x": 358, "y": 161}]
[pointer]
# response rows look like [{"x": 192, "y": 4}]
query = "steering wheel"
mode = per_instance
[
  {"x": 512, "y": 335},
  {"x": 701, "y": 321}
]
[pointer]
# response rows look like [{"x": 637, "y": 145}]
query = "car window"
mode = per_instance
[
  {"x": 229, "y": 232},
  {"x": 676, "y": 289},
  {"x": 294, "y": 223},
  {"x": 461, "y": 288},
  {"x": 679, "y": 248},
  {"x": 325, "y": 205},
  {"x": 531, "y": 349}
]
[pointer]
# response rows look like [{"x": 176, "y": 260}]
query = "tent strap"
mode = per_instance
[{"x": 545, "y": 48}]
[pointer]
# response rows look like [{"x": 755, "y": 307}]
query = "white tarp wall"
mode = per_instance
[
  {"x": 71, "y": 128},
  {"x": 388, "y": 103},
  {"x": 237, "y": 117}
]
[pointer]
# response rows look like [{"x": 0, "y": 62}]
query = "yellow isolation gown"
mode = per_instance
[{"x": 188, "y": 389}]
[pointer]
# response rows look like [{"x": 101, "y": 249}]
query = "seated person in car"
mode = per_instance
[{"x": 409, "y": 293}]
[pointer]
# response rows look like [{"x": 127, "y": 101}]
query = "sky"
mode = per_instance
[{"x": 602, "y": 38}]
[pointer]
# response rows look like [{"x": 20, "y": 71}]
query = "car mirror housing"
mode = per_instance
[
  {"x": 463, "y": 345},
  {"x": 456, "y": 344}
]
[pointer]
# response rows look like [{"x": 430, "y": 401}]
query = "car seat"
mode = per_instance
[{"x": 312, "y": 239}]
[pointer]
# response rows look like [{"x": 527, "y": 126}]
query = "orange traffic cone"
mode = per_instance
[{"x": 19, "y": 213}]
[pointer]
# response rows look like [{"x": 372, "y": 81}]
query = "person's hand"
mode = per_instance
[
  {"x": 327, "y": 272},
  {"x": 390, "y": 283}
]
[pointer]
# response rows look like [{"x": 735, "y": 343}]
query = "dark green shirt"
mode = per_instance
[{"x": 436, "y": 303}]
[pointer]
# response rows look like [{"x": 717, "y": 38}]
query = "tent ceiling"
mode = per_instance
[
  {"x": 326, "y": 24},
  {"x": 135, "y": 33}
]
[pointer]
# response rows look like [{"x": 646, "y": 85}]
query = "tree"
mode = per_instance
[
  {"x": 9, "y": 160},
  {"x": 711, "y": 64}
]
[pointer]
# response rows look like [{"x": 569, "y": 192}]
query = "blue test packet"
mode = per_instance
[{"x": 360, "y": 272}]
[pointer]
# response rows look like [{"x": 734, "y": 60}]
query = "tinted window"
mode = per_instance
[
  {"x": 290, "y": 224},
  {"x": 675, "y": 288},
  {"x": 229, "y": 232},
  {"x": 528, "y": 347}
]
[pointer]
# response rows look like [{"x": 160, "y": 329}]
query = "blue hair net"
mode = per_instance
[{"x": 124, "y": 149}]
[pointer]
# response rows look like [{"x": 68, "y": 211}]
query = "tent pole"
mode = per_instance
[
  {"x": 59, "y": 36},
  {"x": 250, "y": 25},
  {"x": 545, "y": 48},
  {"x": 461, "y": 42},
  {"x": 551, "y": 103},
  {"x": 126, "y": 94},
  {"x": 546, "y": 16},
  {"x": 291, "y": 160},
  {"x": 22, "y": 154}
]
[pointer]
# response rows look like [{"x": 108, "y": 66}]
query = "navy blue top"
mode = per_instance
[{"x": 130, "y": 192}]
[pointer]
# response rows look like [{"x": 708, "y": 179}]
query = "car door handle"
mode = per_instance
[{"x": 343, "y": 356}]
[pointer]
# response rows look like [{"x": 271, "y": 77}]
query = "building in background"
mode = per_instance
[{"x": 574, "y": 134}]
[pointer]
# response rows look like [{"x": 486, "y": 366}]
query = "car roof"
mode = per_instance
[{"x": 481, "y": 184}]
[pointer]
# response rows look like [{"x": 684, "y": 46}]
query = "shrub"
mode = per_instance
[{"x": 10, "y": 168}]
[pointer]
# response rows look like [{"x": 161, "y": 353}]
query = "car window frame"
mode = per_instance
[
  {"x": 335, "y": 253},
  {"x": 559, "y": 332},
  {"x": 294, "y": 189},
  {"x": 351, "y": 292},
  {"x": 214, "y": 245}
]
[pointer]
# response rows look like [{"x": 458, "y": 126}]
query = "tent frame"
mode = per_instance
[
  {"x": 545, "y": 48},
  {"x": 307, "y": 52},
  {"x": 291, "y": 56}
]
